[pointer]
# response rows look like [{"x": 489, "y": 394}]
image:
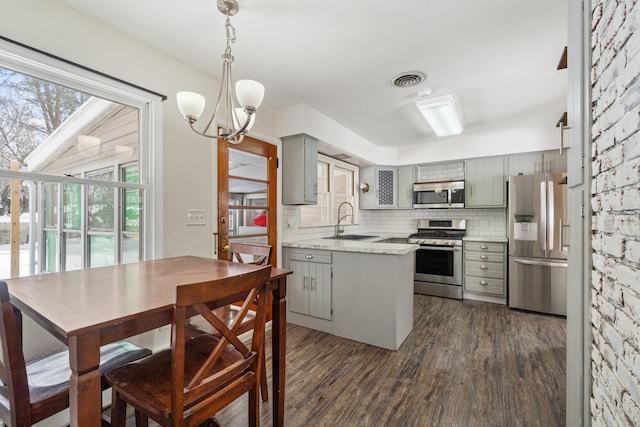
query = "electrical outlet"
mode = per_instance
[{"x": 195, "y": 217}]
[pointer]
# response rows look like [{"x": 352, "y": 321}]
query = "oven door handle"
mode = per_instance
[{"x": 441, "y": 248}]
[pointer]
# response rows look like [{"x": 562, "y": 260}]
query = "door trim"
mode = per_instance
[{"x": 262, "y": 148}]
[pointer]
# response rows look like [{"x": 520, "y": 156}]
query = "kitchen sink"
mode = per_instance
[
  {"x": 404, "y": 240},
  {"x": 350, "y": 237}
]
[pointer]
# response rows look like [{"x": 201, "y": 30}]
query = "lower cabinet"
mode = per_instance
[
  {"x": 485, "y": 268},
  {"x": 363, "y": 296},
  {"x": 309, "y": 289}
]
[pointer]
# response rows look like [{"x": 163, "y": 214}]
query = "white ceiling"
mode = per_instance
[{"x": 497, "y": 57}]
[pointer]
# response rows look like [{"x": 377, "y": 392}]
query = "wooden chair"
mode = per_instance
[
  {"x": 261, "y": 256},
  {"x": 33, "y": 391},
  {"x": 261, "y": 253},
  {"x": 188, "y": 383}
]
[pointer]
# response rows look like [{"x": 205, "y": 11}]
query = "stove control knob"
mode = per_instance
[{"x": 434, "y": 242}]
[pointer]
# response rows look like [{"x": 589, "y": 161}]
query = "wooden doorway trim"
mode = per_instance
[{"x": 260, "y": 148}]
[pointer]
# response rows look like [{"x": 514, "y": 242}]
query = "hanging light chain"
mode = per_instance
[
  {"x": 234, "y": 125},
  {"x": 231, "y": 33}
]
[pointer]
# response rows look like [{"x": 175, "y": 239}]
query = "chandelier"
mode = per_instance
[{"x": 237, "y": 120}]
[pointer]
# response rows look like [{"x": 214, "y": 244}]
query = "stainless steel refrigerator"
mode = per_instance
[{"x": 538, "y": 234}]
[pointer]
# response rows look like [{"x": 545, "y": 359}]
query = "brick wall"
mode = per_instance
[{"x": 615, "y": 280}]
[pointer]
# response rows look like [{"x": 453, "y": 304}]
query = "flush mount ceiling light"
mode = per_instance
[
  {"x": 441, "y": 114},
  {"x": 237, "y": 121}
]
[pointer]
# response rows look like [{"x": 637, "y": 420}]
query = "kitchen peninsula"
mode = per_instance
[{"x": 356, "y": 289}]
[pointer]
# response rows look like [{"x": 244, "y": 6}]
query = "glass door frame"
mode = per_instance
[{"x": 260, "y": 148}]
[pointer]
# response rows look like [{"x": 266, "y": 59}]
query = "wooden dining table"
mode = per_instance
[{"x": 86, "y": 309}]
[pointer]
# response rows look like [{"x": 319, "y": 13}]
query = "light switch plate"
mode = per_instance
[{"x": 195, "y": 217}]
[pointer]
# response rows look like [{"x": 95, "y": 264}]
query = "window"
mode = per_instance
[
  {"x": 80, "y": 146},
  {"x": 336, "y": 184}
]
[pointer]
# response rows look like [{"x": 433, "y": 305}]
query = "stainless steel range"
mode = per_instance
[{"x": 439, "y": 259}]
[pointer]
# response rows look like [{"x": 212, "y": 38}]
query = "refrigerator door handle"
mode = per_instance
[
  {"x": 542, "y": 230},
  {"x": 551, "y": 215},
  {"x": 542, "y": 263}
]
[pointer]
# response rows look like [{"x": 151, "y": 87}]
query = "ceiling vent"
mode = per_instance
[{"x": 408, "y": 79}]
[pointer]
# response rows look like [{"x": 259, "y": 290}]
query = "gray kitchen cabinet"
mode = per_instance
[
  {"x": 485, "y": 182},
  {"x": 373, "y": 297},
  {"x": 309, "y": 289},
  {"x": 525, "y": 164},
  {"x": 383, "y": 187},
  {"x": 299, "y": 170},
  {"x": 485, "y": 268},
  {"x": 551, "y": 161},
  {"x": 554, "y": 161},
  {"x": 406, "y": 178}
]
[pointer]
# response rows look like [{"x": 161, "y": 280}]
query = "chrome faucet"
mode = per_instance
[{"x": 338, "y": 231}]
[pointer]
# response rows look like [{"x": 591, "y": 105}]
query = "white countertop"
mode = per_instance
[
  {"x": 498, "y": 239},
  {"x": 368, "y": 245}
]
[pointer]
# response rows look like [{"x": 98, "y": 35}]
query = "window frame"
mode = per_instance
[
  {"x": 332, "y": 205},
  {"x": 24, "y": 59}
]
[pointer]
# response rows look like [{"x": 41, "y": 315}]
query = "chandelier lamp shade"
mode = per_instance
[{"x": 236, "y": 121}]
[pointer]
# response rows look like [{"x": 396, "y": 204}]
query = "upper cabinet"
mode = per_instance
[
  {"x": 406, "y": 178},
  {"x": 485, "y": 182},
  {"x": 380, "y": 187},
  {"x": 387, "y": 187},
  {"x": 299, "y": 170},
  {"x": 552, "y": 161}
]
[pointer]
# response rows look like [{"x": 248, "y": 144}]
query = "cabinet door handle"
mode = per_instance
[
  {"x": 484, "y": 267},
  {"x": 484, "y": 282},
  {"x": 308, "y": 256},
  {"x": 484, "y": 257},
  {"x": 305, "y": 280},
  {"x": 313, "y": 280},
  {"x": 562, "y": 129},
  {"x": 562, "y": 227},
  {"x": 484, "y": 247}
]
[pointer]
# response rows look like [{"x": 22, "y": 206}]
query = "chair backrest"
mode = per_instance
[
  {"x": 13, "y": 371},
  {"x": 261, "y": 253},
  {"x": 188, "y": 389}
]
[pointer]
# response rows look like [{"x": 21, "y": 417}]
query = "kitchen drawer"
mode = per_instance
[
  {"x": 484, "y": 246},
  {"x": 483, "y": 256},
  {"x": 323, "y": 257},
  {"x": 484, "y": 269},
  {"x": 484, "y": 285}
]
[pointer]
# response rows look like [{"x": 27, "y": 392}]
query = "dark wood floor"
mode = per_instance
[{"x": 466, "y": 363}]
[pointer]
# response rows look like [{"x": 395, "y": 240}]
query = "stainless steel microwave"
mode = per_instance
[{"x": 440, "y": 194}]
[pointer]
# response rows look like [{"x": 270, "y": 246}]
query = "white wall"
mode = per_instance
[
  {"x": 188, "y": 170},
  {"x": 522, "y": 134},
  {"x": 533, "y": 132},
  {"x": 189, "y": 165}
]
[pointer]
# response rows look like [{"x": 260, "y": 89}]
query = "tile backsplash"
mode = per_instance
[
  {"x": 440, "y": 172},
  {"x": 480, "y": 222}
]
